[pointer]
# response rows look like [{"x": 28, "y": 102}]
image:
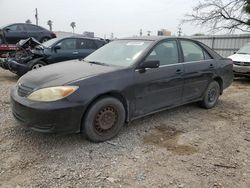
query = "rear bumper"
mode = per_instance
[
  {"x": 54, "y": 117},
  {"x": 241, "y": 70}
]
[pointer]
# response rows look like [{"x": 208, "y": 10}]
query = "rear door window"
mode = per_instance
[
  {"x": 192, "y": 51},
  {"x": 32, "y": 28},
  {"x": 86, "y": 44}
]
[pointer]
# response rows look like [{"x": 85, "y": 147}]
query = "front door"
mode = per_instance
[
  {"x": 66, "y": 52},
  {"x": 160, "y": 87},
  {"x": 15, "y": 33}
]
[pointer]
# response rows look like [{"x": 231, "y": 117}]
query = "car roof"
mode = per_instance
[
  {"x": 80, "y": 37},
  {"x": 25, "y": 24},
  {"x": 154, "y": 38}
]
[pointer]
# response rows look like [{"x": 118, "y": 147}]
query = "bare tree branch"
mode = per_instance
[{"x": 220, "y": 15}]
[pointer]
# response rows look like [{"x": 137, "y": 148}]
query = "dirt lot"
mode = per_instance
[{"x": 186, "y": 147}]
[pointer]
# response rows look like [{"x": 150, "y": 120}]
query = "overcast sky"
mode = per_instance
[{"x": 122, "y": 17}]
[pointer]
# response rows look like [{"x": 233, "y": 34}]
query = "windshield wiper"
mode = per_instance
[
  {"x": 242, "y": 53},
  {"x": 97, "y": 63}
]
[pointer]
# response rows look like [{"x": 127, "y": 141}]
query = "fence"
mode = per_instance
[{"x": 225, "y": 45}]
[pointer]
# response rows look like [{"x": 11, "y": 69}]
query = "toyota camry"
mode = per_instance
[{"x": 124, "y": 80}]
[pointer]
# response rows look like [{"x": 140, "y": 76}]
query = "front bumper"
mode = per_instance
[
  {"x": 49, "y": 117},
  {"x": 241, "y": 70},
  {"x": 18, "y": 68}
]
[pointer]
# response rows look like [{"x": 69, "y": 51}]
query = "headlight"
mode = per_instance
[{"x": 52, "y": 93}]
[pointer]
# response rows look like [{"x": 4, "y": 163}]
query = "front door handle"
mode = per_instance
[{"x": 75, "y": 53}]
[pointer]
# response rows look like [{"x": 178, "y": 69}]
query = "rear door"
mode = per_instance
[
  {"x": 15, "y": 33},
  {"x": 33, "y": 31},
  {"x": 85, "y": 47},
  {"x": 66, "y": 52},
  {"x": 199, "y": 69},
  {"x": 161, "y": 87}
]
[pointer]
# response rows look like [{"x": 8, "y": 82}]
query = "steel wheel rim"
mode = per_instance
[
  {"x": 212, "y": 95},
  {"x": 105, "y": 120},
  {"x": 37, "y": 66}
]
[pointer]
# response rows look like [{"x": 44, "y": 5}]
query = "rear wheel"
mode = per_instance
[
  {"x": 104, "y": 119},
  {"x": 211, "y": 95}
]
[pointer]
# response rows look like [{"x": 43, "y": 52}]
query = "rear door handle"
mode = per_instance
[
  {"x": 75, "y": 53},
  {"x": 179, "y": 71},
  {"x": 211, "y": 66}
]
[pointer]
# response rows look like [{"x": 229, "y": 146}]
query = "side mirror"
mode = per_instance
[
  {"x": 7, "y": 29},
  {"x": 235, "y": 52},
  {"x": 57, "y": 48},
  {"x": 149, "y": 64}
]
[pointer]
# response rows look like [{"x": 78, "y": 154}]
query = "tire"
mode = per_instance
[
  {"x": 44, "y": 39},
  {"x": 37, "y": 65},
  {"x": 211, "y": 95},
  {"x": 104, "y": 119}
]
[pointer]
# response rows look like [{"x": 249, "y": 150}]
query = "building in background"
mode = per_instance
[
  {"x": 61, "y": 34},
  {"x": 164, "y": 32},
  {"x": 89, "y": 34}
]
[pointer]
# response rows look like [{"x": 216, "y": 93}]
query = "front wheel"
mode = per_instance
[
  {"x": 45, "y": 39},
  {"x": 38, "y": 65},
  {"x": 211, "y": 95},
  {"x": 104, "y": 119}
]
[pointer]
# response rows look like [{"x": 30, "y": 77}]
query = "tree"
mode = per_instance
[
  {"x": 73, "y": 25},
  {"x": 49, "y": 23},
  {"x": 220, "y": 15},
  {"x": 28, "y": 21},
  {"x": 199, "y": 34}
]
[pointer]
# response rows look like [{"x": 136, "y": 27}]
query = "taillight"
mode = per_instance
[{"x": 53, "y": 35}]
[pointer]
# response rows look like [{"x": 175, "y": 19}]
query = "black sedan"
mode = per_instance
[
  {"x": 124, "y": 80},
  {"x": 54, "y": 51},
  {"x": 13, "y": 33}
]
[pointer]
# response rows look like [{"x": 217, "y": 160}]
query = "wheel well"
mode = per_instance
[
  {"x": 116, "y": 95},
  {"x": 220, "y": 81}
]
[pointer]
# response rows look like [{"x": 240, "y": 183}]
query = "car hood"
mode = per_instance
[
  {"x": 62, "y": 73},
  {"x": 240, "y": 57}
]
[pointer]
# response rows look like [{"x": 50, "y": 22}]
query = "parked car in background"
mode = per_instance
[
  {"x": 124, "y": 80},
  {"x": 241, "y": 60},
  {"x": 13, "y": 33},
  {"x": 54, "y": 51}
]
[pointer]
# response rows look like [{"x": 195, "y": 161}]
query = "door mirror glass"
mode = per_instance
[{"x": 149, "y": 64}]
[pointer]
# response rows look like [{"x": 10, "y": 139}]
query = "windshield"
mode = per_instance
[
  {"x": 50, "y": 42},
  {"x": 244, "y": 50},
  {"x": 119, "y": 53}
]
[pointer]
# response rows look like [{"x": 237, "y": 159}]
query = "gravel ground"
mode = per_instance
[{"x": 186, "y": 147}]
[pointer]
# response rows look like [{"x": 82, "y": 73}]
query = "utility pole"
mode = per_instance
[
  {"x": 149, "y": 32},
  {"x": 111, "y": 36},
  {"x": 179, "y": 32},
  {"x": 140, "y": 32},
  {"x": 36, "y": 16}
]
